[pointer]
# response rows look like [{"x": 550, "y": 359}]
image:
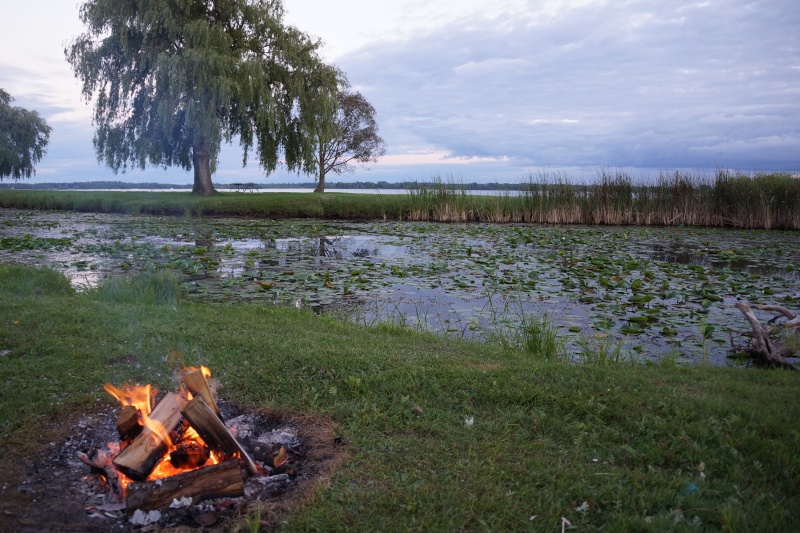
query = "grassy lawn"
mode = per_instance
[{"x": 442, "y": 435}]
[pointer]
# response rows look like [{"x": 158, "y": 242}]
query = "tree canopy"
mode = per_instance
[
  {"x": 173, "y": 79},
  {"x": 347, "y": 134},
  {"x": 23, "y": 139}
]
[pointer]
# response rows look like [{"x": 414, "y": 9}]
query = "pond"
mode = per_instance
[{"x": 659, "y": 292}]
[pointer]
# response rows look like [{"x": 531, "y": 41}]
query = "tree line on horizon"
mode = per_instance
[{"x": 364, "y": 185}]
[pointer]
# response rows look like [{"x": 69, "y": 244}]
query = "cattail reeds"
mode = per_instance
[{"x": 680, "y": 198}]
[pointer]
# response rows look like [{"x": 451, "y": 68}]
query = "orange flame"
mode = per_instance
[{"x": 139, "y": 396}]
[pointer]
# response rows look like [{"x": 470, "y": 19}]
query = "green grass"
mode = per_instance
[
  {"x": 724, "y": 199},
  {"x": 618, "y": 447}
]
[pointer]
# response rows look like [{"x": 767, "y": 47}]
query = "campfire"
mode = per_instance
[{"x": 178, "y": 452}]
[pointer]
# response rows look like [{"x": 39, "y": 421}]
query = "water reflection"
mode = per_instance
[{"x": 679, "y": 254}]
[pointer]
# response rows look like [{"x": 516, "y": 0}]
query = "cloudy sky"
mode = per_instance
[{"x": 493, "y": 91}]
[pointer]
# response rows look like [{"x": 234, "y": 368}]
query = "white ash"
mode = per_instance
[
  {"x": 186, "y": 501},
  {"x": 247, "y": 427},
  {"x": 140, "y": 518}
]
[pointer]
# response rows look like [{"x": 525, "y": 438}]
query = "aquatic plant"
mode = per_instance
[
  {"x": 540, "y": 338},
  {"x": 601, "y": 350}
]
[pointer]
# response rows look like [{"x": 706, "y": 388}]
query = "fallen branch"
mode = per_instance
[
  {"x": 793, "y": 320},
  {"x": 772, "y": 352}
]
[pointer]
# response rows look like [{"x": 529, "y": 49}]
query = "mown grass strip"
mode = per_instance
[{"x": 623, "y": 447}]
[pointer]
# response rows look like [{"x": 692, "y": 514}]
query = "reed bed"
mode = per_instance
[
  {"x": 721, "y": 199},
  {"x": 724, "y": 199}
]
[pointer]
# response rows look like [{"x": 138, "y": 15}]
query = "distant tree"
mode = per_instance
[
  {"x": 23, "y": 139},
  {"x": 348, "y": 134},
  {"x": 173, "y": 79}
]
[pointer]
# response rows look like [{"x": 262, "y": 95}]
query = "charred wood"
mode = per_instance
[
  {"x": 129, "y": 424},
  {"x": 189, "y": 455},
  {"x": 108, "y": 471},
  {"x": 214, "y": 433},
  {"x": 223, "y": 480}
]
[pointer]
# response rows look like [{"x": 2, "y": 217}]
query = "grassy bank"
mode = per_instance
[
  {"x": 763, "y": 201},
  {"x": 272, "y": 205},
  {"x": 651, "y": 447}
]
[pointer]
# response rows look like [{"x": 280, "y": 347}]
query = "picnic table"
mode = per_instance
[{"x": 243, "y": 187}]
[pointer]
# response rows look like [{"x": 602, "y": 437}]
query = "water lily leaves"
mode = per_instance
[
  {"x": 622, "y": 281},
  {"x": 29, "y": 242},
  {"x": 631, "y": 329}
]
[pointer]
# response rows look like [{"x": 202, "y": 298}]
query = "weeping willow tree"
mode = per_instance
[
  {"x": 23, "y": 139},
  {"x": 172, "y": 79}
]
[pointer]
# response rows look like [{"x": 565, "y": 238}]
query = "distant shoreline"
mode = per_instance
[{"x": 380, "y": 185}]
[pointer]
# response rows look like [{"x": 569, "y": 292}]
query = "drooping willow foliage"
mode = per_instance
[
  {"x": 172, "y": 79},
  {"x": 23, "y": 139}
]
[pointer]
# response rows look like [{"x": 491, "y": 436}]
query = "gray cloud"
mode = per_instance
[
  {"x": 578, "y": 85},
  {"x": 639, "y": 83}
]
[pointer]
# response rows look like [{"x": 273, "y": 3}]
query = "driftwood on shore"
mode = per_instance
[
  {"x": 792, "y": 320},
  {"x": 761, "y": 346}
]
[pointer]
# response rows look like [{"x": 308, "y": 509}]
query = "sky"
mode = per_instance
[{"x": 494, "y": 91}]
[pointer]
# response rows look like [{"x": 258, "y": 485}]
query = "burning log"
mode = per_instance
[
  {"x": 772, "y": 352},
  {"x": 138, "y": 459},
  {"x": 223, "y": 480},
  {"x": 214, "y": 433},
  {"x": 128, "y": 423},
  {"x": 197, "y": 384}
]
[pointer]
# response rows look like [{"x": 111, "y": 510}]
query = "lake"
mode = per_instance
[{"x": 655, "y": 292}]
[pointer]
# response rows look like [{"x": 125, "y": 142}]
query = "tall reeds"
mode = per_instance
[{"x": 723, "y": 199}]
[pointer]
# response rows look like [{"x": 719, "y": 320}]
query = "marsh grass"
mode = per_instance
[
  {"x": 159, "y": 288},
  {"x": 540, "y": 339},
  {"x": 617, "y": 447},
  {"x": 725, "y": 199},
  {"x": 602, "y": 351},
  {"x": 613, "y": 197}
]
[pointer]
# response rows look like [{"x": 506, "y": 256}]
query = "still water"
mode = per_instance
[{"x": 652, "y": 291}]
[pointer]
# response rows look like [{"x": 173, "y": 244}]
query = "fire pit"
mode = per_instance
[{"x": 189, "y": 460}]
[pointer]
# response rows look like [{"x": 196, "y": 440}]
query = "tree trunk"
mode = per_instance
[
  {"x": 321, "y": 161},
  {"x": 201, "y": 161}
]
